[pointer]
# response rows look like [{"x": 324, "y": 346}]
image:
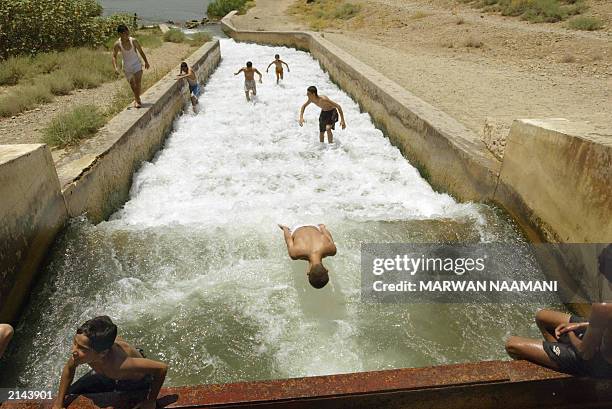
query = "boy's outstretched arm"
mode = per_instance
[
  {"x": 65, "y": 381},
  {"x": 259, "y": 73},
  {"x": 269, "y": 66},
  {"x": 148, "y": 367},
  {"x": 144, "y": 57},
  {"x": 288, "y": 241},
  {"x": 236, "y": 73},
  {"x": 286, "y": 65},
  {"x": 301, "y": 121}
]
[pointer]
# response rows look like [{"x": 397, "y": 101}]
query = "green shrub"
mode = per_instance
[
  {"x": 534, "y": 10},
  {"x": 200, "y": 38},
  {"x": 13, "y": 69},
  {"x": 68, "y": 128},
  {"x": 174, "y": 36},
  {"x": 149, "y": 40},
  {"x": 219, "y": 8},
  {"x": 585, "y": 23},
  {"x": 323, "y": 13},
  {"x": 346, "y": 11},
  {"x": 58, "y": 82},
  {"x": 34, "y": 26},
  {"x": 26, "y": 98}
]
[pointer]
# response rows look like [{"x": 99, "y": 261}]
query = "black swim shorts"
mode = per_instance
[
  {"x": 563, "y": 353},
  {"x": 328, "y": 118}
]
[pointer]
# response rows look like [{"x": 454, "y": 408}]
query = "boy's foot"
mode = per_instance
[{"x": 137, "y": 104}]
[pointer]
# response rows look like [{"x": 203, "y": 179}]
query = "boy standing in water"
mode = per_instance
[
  {"x": 279, "y": 67},
  {"x": 116, "y": 365},
  {"x": 194, "y": 87},
  {"x": 312, "y": 243},
  {"x": 131, "y": 63},
  {"x": 328, "y": 116},
  {"x": 249, "y": 79}
]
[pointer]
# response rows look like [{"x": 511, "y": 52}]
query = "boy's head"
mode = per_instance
[
  {"x": 604, "y": 262},
  {"x": 249, "y": 64},
  {"x": 311, "y": 92},
  {"x": 93, "y": 339},
  {"x": 184, "y": 67},
  {"x": 277, "y": 57},
  {"x": 317, "y": 276},
  {"x": 123, "y": 30}
]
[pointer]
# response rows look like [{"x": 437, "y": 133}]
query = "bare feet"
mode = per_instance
[{"x": 137, "y": 104}]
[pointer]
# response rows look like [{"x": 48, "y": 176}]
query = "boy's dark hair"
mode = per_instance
[
  {"x": 605, "y": 262},
  {"x": 122, "y": 28},
  {"x": 317, "y": 276},
  {"x": 249, "y": 64},
  {"x": 101, "y": 333},
  {"x": 276, "y": 56},
  {"x": 184, "y": 67},
  {"x": 313, "y": 90}
]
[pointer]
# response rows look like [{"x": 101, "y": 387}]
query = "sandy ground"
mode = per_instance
[
  {"x": 518, "y": 70},
  {"x": 26, "y": 127}
]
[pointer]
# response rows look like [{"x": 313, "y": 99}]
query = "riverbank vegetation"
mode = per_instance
[
  {"x": 536, "y": 11},
  {"x": 219, "y": 8},
  {"x": 320, "y": 14}
]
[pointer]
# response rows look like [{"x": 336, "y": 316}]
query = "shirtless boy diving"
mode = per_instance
[
  {"x": 249, "y": 79},
  {"x": 572, "y": 344},
  {"x": 278, "y": 63},
  {"x": 311, "y": 243},
  {"x": 328, "y": 116},
  {"x": 115, "y": 365}
]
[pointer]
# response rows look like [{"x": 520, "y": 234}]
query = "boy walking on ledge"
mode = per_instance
[{"x": 115, "y": 365}]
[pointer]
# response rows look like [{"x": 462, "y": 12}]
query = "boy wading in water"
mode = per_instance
[
  {"x": 116, "y": 365},
  {"x": 194, "y": 87},
  {"x": 312, "y": 243},
  {"x": 279, "y": 67},
  {"x": 329, "y": 114},
  {"x": 131, "y": 63},
  {"x": 249, "y": 79}
]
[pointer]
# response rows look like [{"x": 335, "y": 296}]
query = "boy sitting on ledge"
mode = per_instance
[{"x": 116, "y": 366}]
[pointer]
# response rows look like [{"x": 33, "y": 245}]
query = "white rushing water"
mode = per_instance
[{"x": 194, "y": 268}]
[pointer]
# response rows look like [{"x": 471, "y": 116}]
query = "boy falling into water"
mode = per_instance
[
  {"x": 279, "y": 67},
  {"x": 115, "y": 365},
  {"x": 249, "y": 79}
]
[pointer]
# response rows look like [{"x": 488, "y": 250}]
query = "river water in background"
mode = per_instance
[
  {"x": 194, "y": 270},
  {"x": 154, "y": 11}
]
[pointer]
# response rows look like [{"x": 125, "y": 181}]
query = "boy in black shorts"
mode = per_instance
[
  {"x": 115, "y": 365},
  {"x": 329, "y": 114},
  {"x": 571, "y": 343}
]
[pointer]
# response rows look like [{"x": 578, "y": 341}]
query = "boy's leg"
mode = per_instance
[
  {"x": 330, "y": 135},
  {"x": 548, "y": 320},
  {"x": 321, "y": 137},
  {"x": 138, "y": 79},
  {"x": 91, "y": 382},
  {"x": 246, "y": 93},
  {"x": 530, "y": 349},
  {"x": 6, "y": 333}
]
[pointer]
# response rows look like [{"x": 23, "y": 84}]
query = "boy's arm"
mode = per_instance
[
  {"x": 326, "y": 233},
  {"x": 242, "y": 69},
  {"x": 339, "y": 108},
  {"x": 65, "y": 381},
  {"x": 288, "y": 241},
  {"x": 301, "y": 121},
  {"x": 259, "y": 73},
  {"x": 269, "y": 66},
  {"x": 286, "y": 65},
  {"x": 115, "y": 52},
  {"x": 144, "y": 57},
  {"x": 599, "y": 321},
  {"x": 147, "y": 367}
]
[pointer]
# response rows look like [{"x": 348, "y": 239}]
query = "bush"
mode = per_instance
[
  {"x": 200, "y": 38},
  {"x": 585, "y": 23},
  {"x": 174, "y": 36},
  {"x": 322, "y": 13},
  {"x": 28, "y": 97},
  {"x": 58, "y": 82},
  {"x": 219, "y": 8},
  {"x": 13, "y": 69},
  {"x": 535, "y": 10},
  {"x": 70, "y": 127},
  {"x": 34, "y": 26}
]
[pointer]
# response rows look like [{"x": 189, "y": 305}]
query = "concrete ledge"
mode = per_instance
[
  {"x": 32, "y": 211},
  {"x": 97, "y": 182},
  {"x": 450, "y": 156},
  {"x": 496, "y": 384}
]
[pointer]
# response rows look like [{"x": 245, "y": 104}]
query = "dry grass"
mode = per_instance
[
  {"x": 321, "y": 14},
  {"x": 70, "y": 127},
  {"x": 585, "y": 23},
  {"x": 568, "y": 58},
  {"x": 473, "y": 42},
  {"x": 419, "y": 15}
]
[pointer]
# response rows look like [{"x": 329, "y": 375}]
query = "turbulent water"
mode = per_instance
[{"x": 194, "y": 269}]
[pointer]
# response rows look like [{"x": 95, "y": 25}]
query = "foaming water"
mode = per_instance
[{"x": 194, "y": 268}]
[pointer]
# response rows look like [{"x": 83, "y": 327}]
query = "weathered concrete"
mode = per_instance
[
  {"x": 98, "y": 183},
  {"x": 481, "y": 385},
  {"x": 448, "y": 154},
  {"x": 32, "y": 211},
  {"x": 559, "y": 174}
]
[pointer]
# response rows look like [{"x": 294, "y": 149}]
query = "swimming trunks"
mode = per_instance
[
  {"x": 250, "y": 85},
  {"x": 568, "y": 360},
  {"x": 328, "y": 118},
  {"x": 298, "y": 226},
  {"x": 195, "y": 89}
]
